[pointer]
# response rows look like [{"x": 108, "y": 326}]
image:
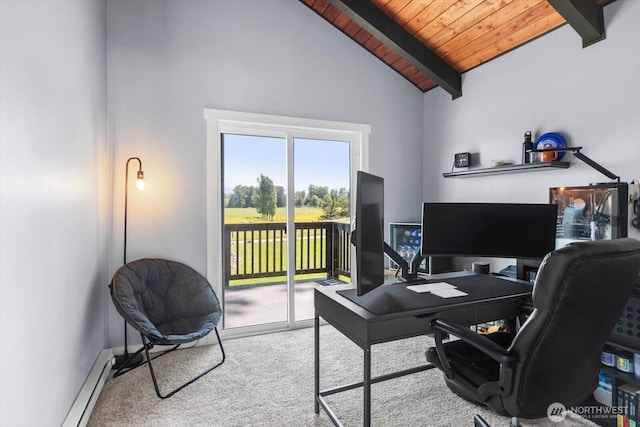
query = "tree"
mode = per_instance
[
  {"x": 316, "y": 190},
  {"x": 335, "y": 205},
  {"x": 242, "y": 197},
  {"x": 266, "y": 197},
  {"x": 300, "y": 198},
  {"x": 281, "y": 197},
  {"x": 313, "y": 201}
]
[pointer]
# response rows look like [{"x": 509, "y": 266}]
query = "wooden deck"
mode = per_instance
[{"x": 267, "y": 303}]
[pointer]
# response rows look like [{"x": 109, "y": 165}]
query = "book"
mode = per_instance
[
  {"x": 628, "y": 394},
  {"x": 620, "y": 401}
]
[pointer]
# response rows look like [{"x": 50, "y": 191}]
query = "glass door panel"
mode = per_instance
[
  {"x": 321, "y": 215},
  {"x": 254, "y": 230}
]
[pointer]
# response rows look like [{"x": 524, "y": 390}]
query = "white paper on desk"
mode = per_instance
[
  {"x": 449, "y": 293},
  {"x": 430, "y": 287}
]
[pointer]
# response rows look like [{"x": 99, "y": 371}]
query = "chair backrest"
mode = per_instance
[
  {"x": 579, "y": 293},
  {"x": 166, "y": 301}
]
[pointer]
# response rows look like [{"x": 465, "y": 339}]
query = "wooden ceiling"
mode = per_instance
[{"x": 432, "y": 42}]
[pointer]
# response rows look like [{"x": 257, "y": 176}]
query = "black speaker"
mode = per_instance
[{"x": 480, "y": 267}]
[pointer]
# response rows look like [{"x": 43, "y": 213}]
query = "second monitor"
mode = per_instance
[{"x": 501, "y": 230}]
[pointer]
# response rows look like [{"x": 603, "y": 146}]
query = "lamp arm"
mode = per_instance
[
  {"x": 576, "y": 152},
  {"x": 134, "y": 158},
  {"x": 596, "y": 166}
]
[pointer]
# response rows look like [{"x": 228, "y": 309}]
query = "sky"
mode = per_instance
[{"x": 317, "y": 162}]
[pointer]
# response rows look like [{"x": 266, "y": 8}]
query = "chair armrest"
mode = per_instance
[{"x": 480, "y": 342}]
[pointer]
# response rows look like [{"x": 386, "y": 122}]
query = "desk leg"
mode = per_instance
[
  {"x": 367, "y": 387},
  {"x": 316, "y": 353}
]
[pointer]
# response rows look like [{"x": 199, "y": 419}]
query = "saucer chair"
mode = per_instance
[{"x": 170, "y": 304}]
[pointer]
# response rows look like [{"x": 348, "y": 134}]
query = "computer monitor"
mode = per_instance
[
  {"x": 501, "y": 230},
  {"x": 368, "y": 235}
]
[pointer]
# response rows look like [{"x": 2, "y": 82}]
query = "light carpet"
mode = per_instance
[{"x": 267, "y": 380}]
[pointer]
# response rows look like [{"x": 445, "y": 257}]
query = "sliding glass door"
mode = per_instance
[{"x": 283, "y": 198}]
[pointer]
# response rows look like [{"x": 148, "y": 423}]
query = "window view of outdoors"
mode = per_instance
[{"x": 255, "y": 235}]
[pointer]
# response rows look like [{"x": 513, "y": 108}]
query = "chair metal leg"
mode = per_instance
[
  {"x": 478, "y": 421},
  {"x": 148, "y": 345},
  {"x": 515, "y": 422}
]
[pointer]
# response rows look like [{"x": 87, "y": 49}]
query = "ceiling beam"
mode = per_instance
[
  {"x": 585, "y": 16},
  {"x": 376, "y": 22}
]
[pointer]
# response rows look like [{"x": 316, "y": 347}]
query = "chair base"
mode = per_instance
[
  {"x": 147, "y": 345},
  {"x": 124, "y": 360},
  {"x": 128, "y": 362}
]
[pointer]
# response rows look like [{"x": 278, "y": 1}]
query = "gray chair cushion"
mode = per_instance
[{"x": 167, "y": 301}]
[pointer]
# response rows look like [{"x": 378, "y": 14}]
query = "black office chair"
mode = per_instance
[
  {"x": 169, "y": 303},
  {"x": 579, "y": 293}
]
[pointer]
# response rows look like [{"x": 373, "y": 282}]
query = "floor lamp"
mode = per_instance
[{"x": 124, "y": 359}]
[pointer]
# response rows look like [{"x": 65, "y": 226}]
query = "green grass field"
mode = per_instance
[{"x": 250, "y": 215}]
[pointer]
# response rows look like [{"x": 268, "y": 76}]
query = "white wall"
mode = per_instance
[
  {"x": 591, "y": 96},
  {"x": 54, "y": 169},
  {"x": 168, "y": 60}
]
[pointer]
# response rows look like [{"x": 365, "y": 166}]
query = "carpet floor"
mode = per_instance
[{"x": 267, "y": 380}]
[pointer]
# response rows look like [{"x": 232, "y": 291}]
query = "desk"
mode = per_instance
[{"x": 489, "y": 298}]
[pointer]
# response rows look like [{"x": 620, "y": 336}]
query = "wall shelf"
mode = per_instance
[{"x": 526, "y": 167}]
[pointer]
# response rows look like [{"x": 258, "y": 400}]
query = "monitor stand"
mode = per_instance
[{"x": 409, "y": 271}]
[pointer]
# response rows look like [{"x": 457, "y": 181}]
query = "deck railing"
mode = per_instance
[{"x": 259, "y": 250}]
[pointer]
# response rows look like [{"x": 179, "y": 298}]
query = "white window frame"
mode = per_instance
[{"x": 220, "y": 122}]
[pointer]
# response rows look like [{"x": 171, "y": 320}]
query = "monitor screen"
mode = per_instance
[
  {"x": 368, "y": 236},
  {"x": 502, "y": 230}
]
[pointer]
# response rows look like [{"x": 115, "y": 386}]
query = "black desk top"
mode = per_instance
[
  {"x": 498, "y": 298},
  {"x": 394, "y": 298}
]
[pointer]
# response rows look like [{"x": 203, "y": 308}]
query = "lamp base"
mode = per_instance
[{"x": 122, "y": 361}]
